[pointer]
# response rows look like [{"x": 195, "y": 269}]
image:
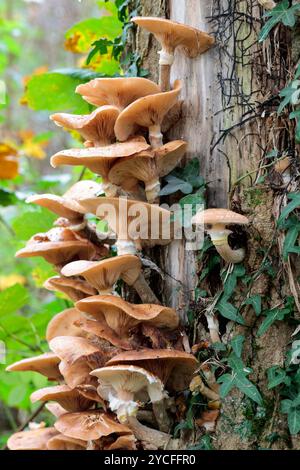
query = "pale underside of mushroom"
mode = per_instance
[
  {"x": 147, "y": 112},
  {"x": 74, "y": 288},
  {"x": 46, "y": 364},
  {"x": 70, "y": 399}
]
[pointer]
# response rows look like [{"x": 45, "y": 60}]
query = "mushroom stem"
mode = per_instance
[
  {"x": 166, "y": 61},
  {"x": 220, "y": 241},
  {"x": 152, "y": 189},
  {"x": 126, "y": 247},
  {"x": 161, "y": 415},
  {"x": 165, "y": 77},
  {"x": 213, "y": 326},
  {"x": 158, "y": 439},
  {"x": 155, "y": 137},
  {"x": 145, "y": 292}
]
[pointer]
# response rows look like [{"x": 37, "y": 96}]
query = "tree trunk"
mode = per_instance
[{"x": 230, "y": 97}]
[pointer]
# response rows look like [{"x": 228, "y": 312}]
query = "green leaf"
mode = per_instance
[
  {"x": 7, "y": 198},
  {"x": 205, "y": 443},
  {"x": 55, "y": 92},
  {"x": 13, "y": 299},
  {"x": 33, "y": 220},
  {"x": 230, "y": 312},
  {"x": 174, "y": 185},
  {"x": 237, "y": 344},
  {"x": 294, "y": 204},
  {"x": 294, "y": 420},
  {"x": 256, "y": 302},
  {"x": 272, "y": 316},
  {"x": 290, "y": 241},
  {"x": 228, "y": 383},
  {"x": 248, "y": 388},
  {"x": 282, "y": 13},
  {"x": 276, "y": 376},
  {"x": 83, "y": 34}
]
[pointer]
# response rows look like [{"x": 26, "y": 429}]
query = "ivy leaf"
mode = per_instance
[
  {"x": 272, "y": 316},
  {"x": 174, "y": 185},
  {"x": 276, "y": 376},
  {"x": 256, "y": 302},
  {"x": 294, "y": 204},
  {"x": 13, "y": 299},
  {"x": 237, "y": 344},
  {"x": 290, "y": 242},
  {"x": 248, "y": 388},
  {"x": 294, "y": 420},
  {"x": 282, "y": 13},
  {"x": 228, "y": 383},
  {"x": 230, "y": 312}
]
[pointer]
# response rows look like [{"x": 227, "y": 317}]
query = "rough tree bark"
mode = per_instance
[{"x": 229, "y": 121}]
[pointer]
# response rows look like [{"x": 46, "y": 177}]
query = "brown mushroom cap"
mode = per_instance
[
  {"x": 63, "y": 324},
  {"x": 97, "y": 127},
  {"x": 60, "y": 246},
  {"x": 66, "y": 206},
  {"x": 104, "y": 274},
  {"x": 146, "y": 112},
  {"x": 119, "y": 92},
  {"x": 174, "y": 368},
  {"x": 169, "y": 156},
  {"x": 78, "y": 358},
  {"x": 75, "y": 289},
  {"x": 219, "y": 217},
  {"x": 99, "y": 159},
  {"x": 45, "y": 364},
  {"x": 55, "y": 409},
  {"x": 70, "y": 399},
  {"x": 127, "y": 442},
  {"x": 61, "y": 442},
  {"x": 31, "y": 440},
  {"x": 172, "y": 35},
  {"x": 89, "y": 426},
  {"x": 127, "y": 217},
  {"x": 121, "y": 316}
]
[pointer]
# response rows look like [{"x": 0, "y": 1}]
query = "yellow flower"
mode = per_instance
[
  {"x": 32, "y": 148},
  {"x": 11, "y": 280}
]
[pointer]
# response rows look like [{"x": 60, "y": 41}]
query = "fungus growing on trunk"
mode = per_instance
[
  {"x": 60, "y": 246},
  {"x": 78, "y": 358},
  {"x": 147, "y": 112},
  {"x": 70, "y": 399},
  {"x": 117, "y": 317},
  {"x": 174, "y": 368},
  {"x": 96, "y": 128},
  {"x": 104, "y": 274},
  {"x": 36, "y": 439},
  {"x": 148, "y": 168},
  {"x": 66, "y": 206},
  {"x": 100, "y": 159},
  {"x": 63, "y": 324},
  {"x": 45, "y": 364},
  {"x": 218, "y": 219},
  {"x": 119, "y": 92},
  {"x": 92, "y": 427},
  {"x": 171, "y": 36},
  {"x": 75, "y": 289},
  {"x": 127, "y": 387},
  {"x": 136, "y": 223}
]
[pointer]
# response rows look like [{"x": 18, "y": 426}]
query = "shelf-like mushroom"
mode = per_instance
[
  {"x": 70, "y": 399},
  {"x": 148, "y": 168},
  {"x": 60, "y": 246},
  {"x": 46, "y": 364},
  {"x": 119, "y": 92},
  {"x": 96, "y": 128},
  {"x": 61, "y": 442},
  {"x": 78, "y": 357},
  {"x": 147, "y": 112},
  {"x": 63, "y": 324},
  {"x": 91, "y": 427},
  {"x": 104, "y": 274},
  {"x": 172, "y": 35},
  {"x": 66, "y": 206},
  {"x": 136, "y": 223},
  {"x": 36, "y": 439},
  {"x": 174, "y": 368},
  {"x": 116, "y": 317},
  {"x": 101, "y": 159},
  {"x": 75, "y": 289},
  {"x": 127, "y": 387},
  {"x": 218, "y": 219}
]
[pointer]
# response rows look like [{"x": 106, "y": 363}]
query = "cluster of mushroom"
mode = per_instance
[{"x": 117, "y": 366}]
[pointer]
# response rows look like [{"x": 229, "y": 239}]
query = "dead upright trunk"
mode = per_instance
[{"x": 229, "y": 120}]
